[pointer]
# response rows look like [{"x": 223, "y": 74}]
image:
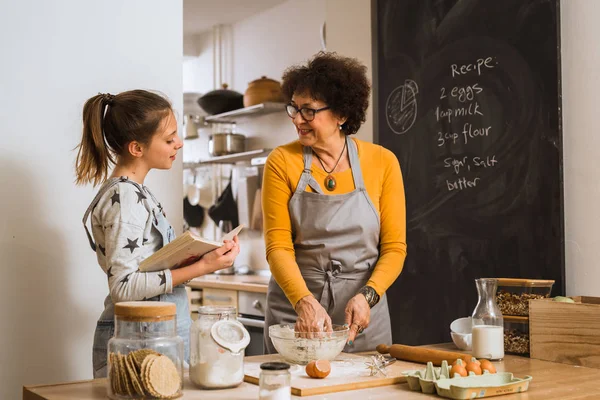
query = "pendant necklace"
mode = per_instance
[{"x": 330, "y": 182}]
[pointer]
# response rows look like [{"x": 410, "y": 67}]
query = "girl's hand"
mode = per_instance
[
  {"x": 221, "y": 258},
  {"x": 358, "y": 316}
]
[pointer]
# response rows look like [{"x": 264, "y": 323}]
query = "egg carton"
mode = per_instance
[{"x": 437, "y": 380}]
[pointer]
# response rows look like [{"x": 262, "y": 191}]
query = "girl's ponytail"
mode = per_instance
[
  {"x": 94, "y": 156},
  {"x": 110, "y": 123}
]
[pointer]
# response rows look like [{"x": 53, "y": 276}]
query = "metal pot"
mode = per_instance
[
  {"x": 220, "y": 144},
  {"x": 221, "y": 100}
]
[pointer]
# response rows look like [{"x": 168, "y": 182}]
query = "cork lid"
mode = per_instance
[
  {"x": 145, "y": 310},
  {"x": 525, "y": 282}
]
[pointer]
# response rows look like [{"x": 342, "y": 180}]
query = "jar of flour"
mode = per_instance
[{"x": 217, "y": 344}]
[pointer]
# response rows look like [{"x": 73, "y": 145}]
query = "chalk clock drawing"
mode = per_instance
[{"x": 401, "y": 107}]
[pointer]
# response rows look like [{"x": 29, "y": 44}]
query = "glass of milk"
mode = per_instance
[{"x": 488, "y": 324}]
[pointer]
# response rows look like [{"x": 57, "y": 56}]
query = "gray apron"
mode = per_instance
[
  {"x": 105, "y": 326},
  {"x": 336, "y": 241}
]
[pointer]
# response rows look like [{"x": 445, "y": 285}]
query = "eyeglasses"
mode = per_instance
[{"x": 307, "y": 113}]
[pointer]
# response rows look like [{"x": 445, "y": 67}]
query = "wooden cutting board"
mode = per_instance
[{"x": 348, "y": 372}]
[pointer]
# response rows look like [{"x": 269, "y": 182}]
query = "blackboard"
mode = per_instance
[{"x": 467, "y": 95}]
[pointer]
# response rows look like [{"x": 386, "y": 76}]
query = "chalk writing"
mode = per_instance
[
  {"x": 468, "y": 133},
  {"x": 462, "y": 183},
  {"x": 468, "y": 163},
  {"x": 477, "y": 66},
  {"x": 465, "y": 101},
  {"x": 401, "y": 107},
  {"x": 449, "y": 113},
  {"x": 462, "y": 94}
]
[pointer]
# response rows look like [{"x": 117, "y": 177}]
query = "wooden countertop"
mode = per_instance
[
  {"x": 550, "y": 381},
  {"x": 247, "y": 283}
]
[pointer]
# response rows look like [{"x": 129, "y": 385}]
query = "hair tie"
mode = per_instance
[{"x": 108, "y": 98}]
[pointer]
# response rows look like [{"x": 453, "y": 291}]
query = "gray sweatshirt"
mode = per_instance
[{"x": 124, "y": 234}]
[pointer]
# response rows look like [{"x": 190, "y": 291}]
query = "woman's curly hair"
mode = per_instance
[{"x": 341, "y": 82}]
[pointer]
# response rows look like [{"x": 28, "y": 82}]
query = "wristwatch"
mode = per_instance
[{"x": 370, "y": 294}]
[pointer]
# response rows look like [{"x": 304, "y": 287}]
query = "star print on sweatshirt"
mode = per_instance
[{"x": 122, "y": 228}]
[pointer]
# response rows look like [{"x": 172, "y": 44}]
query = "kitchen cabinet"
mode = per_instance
[{"x": 219, "y": 297}]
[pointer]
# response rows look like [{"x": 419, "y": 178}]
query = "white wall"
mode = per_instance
[
  {"x": 349, "y": 34},
  {"x": 198, "y": 64},
  {"x": 581, "y": 144},
  {"x": 56, "y": 54}
]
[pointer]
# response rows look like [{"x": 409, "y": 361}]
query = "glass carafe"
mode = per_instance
[{"x": 488, "y": 324}]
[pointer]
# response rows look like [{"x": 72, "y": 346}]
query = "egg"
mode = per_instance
[
  {"x": 487, "y": 365},
  {"x": 318, "y": 369},
  {"x": 458, "y": 369},
  {"x": 473, "y": 367}
]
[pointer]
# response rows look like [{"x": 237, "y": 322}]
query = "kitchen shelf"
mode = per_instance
[
  {"x": 256, "y": 110},
  {"x": 259, "y": 154}
]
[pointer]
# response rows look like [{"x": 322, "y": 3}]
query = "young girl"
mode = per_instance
[{"x": 136, "y": 131}]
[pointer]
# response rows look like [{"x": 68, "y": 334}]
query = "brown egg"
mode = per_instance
[
  {"x": 458, "y": 369},
  {"x": 473, "y": 367},
  {"x": 487, "y": 365},
  {"x": 462, "y": 362},
  {"x": 318, "y": 369},
  {"x": 310, "y": 368}
]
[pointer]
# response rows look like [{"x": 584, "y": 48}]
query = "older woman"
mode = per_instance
[{"x": 334, "y": 210}]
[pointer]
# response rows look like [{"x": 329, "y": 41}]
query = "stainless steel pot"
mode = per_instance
[{"x": 220, "y": 144}]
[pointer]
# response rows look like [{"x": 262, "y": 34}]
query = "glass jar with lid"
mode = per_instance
[
  {"x": 145, "y": 355},
  {"x": 274, "y": 381},
  {"x": 217, "y": 344}
]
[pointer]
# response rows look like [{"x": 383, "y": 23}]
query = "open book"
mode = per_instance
[{"x": 184, "y": 250}]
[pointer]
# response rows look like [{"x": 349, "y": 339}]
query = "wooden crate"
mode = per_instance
[{"x": 567, "y": 333}]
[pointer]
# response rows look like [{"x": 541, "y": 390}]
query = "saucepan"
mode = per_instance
[{"x": 220, "y": 144}]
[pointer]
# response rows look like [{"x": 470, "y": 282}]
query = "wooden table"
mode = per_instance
[{"x": 550, "y": 381}]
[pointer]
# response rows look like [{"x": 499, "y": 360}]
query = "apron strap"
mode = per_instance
[
  {"x": 105, "y": 188},
  {"x": 359, "y": 182},
  {"x": 306, "y": 179},
  {"x": 328, "y": 293}
]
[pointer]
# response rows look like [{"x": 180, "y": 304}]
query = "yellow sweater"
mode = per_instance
[{"x": 383, "y": 181}]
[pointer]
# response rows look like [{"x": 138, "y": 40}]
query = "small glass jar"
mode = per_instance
[
  {"x": 217, "y": 343},
  {"x": 516, "y": 335},
  {"x": 488, "y": 327},
  {"x": 514, "y": 294},
  {"x": 275, "y": 381},
  {"x": 145, "y": 356}
]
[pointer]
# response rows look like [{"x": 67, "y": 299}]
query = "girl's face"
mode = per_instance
[
  {"x": 163, "y": 147},
  {"x": 321, "y": 129}
]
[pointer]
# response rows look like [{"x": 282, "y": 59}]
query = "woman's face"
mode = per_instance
[
  {"x": 322, "y": 128},
  {"x": 162, "y": 150}
]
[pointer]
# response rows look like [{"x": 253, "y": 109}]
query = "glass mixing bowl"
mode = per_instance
[{"x": 304, "y": 347}]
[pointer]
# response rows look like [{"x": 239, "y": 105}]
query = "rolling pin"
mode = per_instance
[{"x": 421, "y": 354}]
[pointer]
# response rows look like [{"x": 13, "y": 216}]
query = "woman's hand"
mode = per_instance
[
  {"x": 312, "y": 317},
  {"x": 221, "y": 258},
  {"x": 358, "y": 316}
]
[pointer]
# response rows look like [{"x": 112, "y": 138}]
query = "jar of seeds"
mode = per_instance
[{"x": 145, "y": 356}]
